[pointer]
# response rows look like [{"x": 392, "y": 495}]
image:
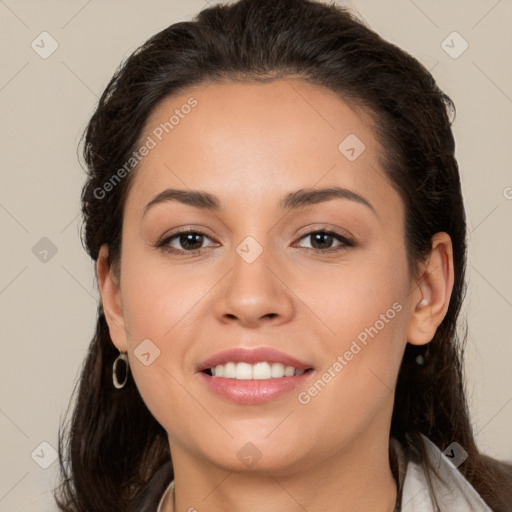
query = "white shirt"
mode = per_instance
[{"x": 452, "y": 491}]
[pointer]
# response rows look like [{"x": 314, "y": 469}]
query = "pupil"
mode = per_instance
[
  {"x": 321, "y": 235},
  {"x": 188, "y": 239}
]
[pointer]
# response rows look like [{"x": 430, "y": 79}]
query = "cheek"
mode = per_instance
[
  {"x": 163, "y": 306},
  {"x": 159, "y": 297},
  {"x": 152, "y": 304},
  {"x": 365, "y": 310},
  {"x": 368, "y": 293}
]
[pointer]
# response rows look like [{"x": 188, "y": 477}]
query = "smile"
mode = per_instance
[
  {"x": 253, "y": 376},
  {"x": 259, "y": 371}
]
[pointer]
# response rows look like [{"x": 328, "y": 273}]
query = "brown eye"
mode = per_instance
[
  {"x": 186, "y": 241},
  {"x": 321, "y": 241}
]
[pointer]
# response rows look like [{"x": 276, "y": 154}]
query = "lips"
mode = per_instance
[{"x": 243, "y": 388}]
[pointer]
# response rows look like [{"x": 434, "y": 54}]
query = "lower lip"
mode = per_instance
[{"x": 254, "y": 391}]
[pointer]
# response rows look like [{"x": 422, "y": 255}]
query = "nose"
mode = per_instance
[{"x": 256, "y": 293}]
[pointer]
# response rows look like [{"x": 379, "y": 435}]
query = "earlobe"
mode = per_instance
[
  {"x": 432, "y": 296},
  {"x": 110, "y": 292}
]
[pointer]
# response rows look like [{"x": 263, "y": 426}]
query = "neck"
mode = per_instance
[{"x": 357, "y": 477}]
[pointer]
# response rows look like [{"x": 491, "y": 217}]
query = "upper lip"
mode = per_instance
[{"x": 252, "y": 356}]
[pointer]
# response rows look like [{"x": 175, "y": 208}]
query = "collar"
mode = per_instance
[
  {"x": 448, "y": 487},
  {"x": 168, "y": 492}
]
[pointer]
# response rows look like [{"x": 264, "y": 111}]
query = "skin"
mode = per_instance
[{"x": 250, "y": 144}]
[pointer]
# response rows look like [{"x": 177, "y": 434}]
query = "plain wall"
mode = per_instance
[{"x": 48, "y": 308}]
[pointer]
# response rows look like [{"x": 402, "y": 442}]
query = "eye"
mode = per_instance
[
  {"x": 190, "y": 242},
  {"x": 322, "y": 241}
]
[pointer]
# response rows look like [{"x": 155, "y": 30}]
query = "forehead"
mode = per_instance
[{"x": 243, "y": 140}]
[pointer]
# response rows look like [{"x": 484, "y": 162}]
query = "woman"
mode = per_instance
[{"x": 274, "y": 208}]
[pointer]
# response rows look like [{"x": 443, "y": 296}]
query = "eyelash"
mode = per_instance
[{"x": 345, "y": 242}]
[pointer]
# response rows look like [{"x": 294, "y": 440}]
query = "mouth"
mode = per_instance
[{"x": 253, "y": 376}]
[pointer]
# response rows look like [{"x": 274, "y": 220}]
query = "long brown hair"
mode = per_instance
[{"x": 113, "y": 445}]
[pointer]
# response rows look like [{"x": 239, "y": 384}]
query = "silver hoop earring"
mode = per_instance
[{"x": 121, "y": 357}]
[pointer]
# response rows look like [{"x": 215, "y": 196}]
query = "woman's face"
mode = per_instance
[{"x": 253, "y": 280}]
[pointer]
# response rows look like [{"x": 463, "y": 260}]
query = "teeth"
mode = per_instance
[
  {"x": 289, "y": 371},
  {"x": 229, "y": 370},
  {"x": 261, "y": 371},
  {"x": 258, "y": 371},
  {"x": 243, "y": 371},
  {"x": 277, "y": 370}
]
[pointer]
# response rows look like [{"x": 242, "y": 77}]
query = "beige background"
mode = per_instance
[{"x": 48, "y": 308}]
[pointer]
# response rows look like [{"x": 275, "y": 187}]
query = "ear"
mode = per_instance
[
  {"x": 431, "y": 298},
  {"x": 109, "y": 286}
]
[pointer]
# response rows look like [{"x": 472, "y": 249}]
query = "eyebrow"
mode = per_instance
[{"x": 292, "y": 201}]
